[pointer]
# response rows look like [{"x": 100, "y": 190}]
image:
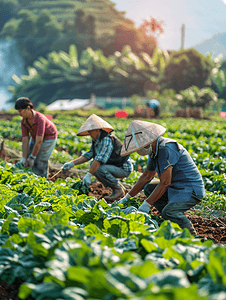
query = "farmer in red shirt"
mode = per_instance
[{"x": 43, "y": 132}]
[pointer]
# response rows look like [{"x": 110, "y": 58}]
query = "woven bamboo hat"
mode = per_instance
[
  {"x": 139, "y": 135},
  {"x": 94, "y": 122}
]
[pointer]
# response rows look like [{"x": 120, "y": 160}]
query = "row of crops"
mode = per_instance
[
  {"x": 205, "y": 141},
  {"x": 66, "y": 245}
]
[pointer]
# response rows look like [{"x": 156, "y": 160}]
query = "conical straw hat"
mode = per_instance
[
  {"x": 94, "y": 122},
  {"x": 139, "y": 135}
]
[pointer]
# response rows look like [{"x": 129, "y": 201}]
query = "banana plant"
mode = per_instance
[
  {"x": 64, "y": 75},
  {"x": 219, "y": 78},
  {"x": 140, "y": 69}
]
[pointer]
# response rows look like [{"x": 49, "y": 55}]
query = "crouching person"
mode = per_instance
[
  {"x": 181, "y": 186},
  {"x": 107, "y": 164}
]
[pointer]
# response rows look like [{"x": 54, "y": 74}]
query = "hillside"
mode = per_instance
[
  {"x": 216, "y": 45},
  {"x": 103, "y": 10}
]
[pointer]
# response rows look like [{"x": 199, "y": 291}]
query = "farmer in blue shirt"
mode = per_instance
[
  {"x": 181, "y": 186},
  {"x": 107, "y": 164},
  {"x": 155, "y": 105}
]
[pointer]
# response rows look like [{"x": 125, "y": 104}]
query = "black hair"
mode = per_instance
[{"x": 23, "y": 102}]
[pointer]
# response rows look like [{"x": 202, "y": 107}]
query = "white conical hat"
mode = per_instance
[
  {"x": 139, "y": 135},
  {"x": 94, "y": 122}
]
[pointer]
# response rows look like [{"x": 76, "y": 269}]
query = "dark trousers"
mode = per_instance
[
  {"x": 108, "y": 174},
  {"x": 173, "y": 211}
]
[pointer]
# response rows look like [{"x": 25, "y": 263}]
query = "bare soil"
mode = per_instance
[{"x": 10, "y": 291}]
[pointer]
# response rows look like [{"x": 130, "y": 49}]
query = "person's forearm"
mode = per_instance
[
  {"x": 157, "y": 193},
  {"x": 138, "y": 187},
  {"x": 36, "y": 148},
  {"x": 25, "y": 146},
  {"x": 37, "y": 145},
  {"x": 161, "y": 188},
  {"x": 80, "y": 160},
  {"x": 95, "y": 165}
]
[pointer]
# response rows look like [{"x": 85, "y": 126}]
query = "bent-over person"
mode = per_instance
[
  {"x": 181, "y": 185},
  {"x": 39, "y": 136}
]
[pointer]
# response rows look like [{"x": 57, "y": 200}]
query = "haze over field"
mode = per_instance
[
  {"x": 202, "y": 18},
  {"x": 205, "y": 30}
]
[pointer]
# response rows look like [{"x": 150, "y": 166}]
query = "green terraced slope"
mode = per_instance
[{"x": 104, "y": 11}]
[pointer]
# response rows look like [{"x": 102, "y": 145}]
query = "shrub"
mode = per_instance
[
  {"x": 187, "y": 68},
  {"x": 195, "y": 97}
]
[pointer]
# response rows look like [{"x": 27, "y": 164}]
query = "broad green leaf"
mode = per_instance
[
  {"x": 173, "y": 278},
  {"x": 28, "y": 224},
  {"x": 79, "y": 274},
  {"x": 60, "y": 216},
  {"x": 125, "y": 281},
  {"x": 217, "y": 265},
  {"x": 168, "y": 230},
  {"x": 150, "y": 246},
  {"x": 145, "y": 270},
  {"x": 25, "y": 290},
  {"x": 117, "y": 226},
  {"x": 37, "y": 248},
  {"x": 10, "y": 226},
  {"x": 74, "y": 293},
  {"x": 41, "y": 207},
  {"x": 99, "y": 286}
]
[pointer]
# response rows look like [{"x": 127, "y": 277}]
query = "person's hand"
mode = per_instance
[
  {"x": 68, "y": 166},
  {"x": 30, "y": 161},
  {"x": 23, "y": 161},
  {"x": 124, "y": 199},
  {"x": 87, "y": 179},
  {"x": 145, "y": 207},
  {"x": 129, "y": 210}
]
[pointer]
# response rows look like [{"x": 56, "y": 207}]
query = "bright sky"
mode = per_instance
[{"x": 202, "y": 18}]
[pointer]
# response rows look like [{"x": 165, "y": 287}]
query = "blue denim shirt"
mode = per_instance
[{"x": 186, "y": 177}]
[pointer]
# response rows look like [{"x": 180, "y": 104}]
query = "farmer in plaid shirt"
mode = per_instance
[{"x": 107, "y": 164}]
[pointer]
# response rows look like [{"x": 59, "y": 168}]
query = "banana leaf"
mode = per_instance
[
  {"x": 146, "y": 57},
  {"x": 75, "y": 79},
  {"x": 73, "y": 54},
  {"x": 39, "y": 65},
  {"x": 32, "y": 72},
  {"x": 16, "y": 79}
]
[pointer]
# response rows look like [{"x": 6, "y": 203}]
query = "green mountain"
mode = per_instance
[{"x": 104, "y": 12}]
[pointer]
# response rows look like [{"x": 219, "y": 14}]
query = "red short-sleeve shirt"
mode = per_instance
[{"x": 41, "y": 127}]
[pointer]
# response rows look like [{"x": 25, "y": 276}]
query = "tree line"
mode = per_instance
[
  {"x": 37, "y": 35},
  {"x": 123, "y": 63}
]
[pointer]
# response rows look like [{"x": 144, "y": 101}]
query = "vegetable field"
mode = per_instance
[{"x": 59, "y": 240}]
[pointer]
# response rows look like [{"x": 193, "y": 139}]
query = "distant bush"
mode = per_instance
[
  {"x": 187, "y": 68},
  {"x": 195, "y": 97},
  {"x": 8, "y": 9},
  {"x": 218, "y": 77}
]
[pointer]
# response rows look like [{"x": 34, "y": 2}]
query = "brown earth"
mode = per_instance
[{"x": 10, "y": 291}]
